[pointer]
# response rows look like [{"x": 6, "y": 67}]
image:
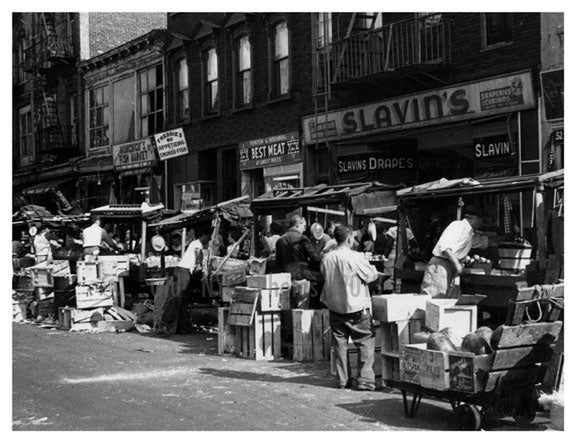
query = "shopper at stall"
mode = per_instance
[
  {"x": 294, "y": 251},
  {"x": 275, "y": 232},
  {"x": 43, "y": 243},
  {"x": 94, "y": 236},
  {"x": 347, "y": 275},
  {"x": 452, "y": 247}
]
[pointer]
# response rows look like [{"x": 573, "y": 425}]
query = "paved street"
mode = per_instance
[{"x": 80, "y": 381}]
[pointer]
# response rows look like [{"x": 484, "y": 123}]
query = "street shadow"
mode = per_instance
[{"x": 306, "y": 378}]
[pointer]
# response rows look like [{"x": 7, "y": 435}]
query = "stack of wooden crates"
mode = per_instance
[{"x": 250, "y": 327}]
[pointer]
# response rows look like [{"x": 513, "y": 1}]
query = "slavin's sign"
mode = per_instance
[
  {"x": 491, "y": 147},
  {"x": 171, "y": 144},
  {"x": 460, "y": 102},
  {"x": 270, "y": 151},
  {"x": 132, "y": 155},
  {"x": 368, "y": 162}
]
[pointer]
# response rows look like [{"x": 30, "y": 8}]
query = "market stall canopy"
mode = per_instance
[
  {"x": 231, "y": 210},
  {"x": 356, "y": 196},
  {"x": 129, "y": 211},
  {"x": 42, "y": 188},
  {"x": 499, "y": 185},
  {"x": 38, "y": 214}
]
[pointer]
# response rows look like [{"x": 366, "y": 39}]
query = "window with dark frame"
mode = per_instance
[
  {"x": 497, "y": 28},
  {"x": 211, "y": 81},
  {"x": 99, "y": 124},
  {"x": 151, "y": 91},
  {"x": 183, "y": 90},
  {"x": 281, "y": 61},
  {"x": 74, "y": 121},
  {"x": 25, "y": 133},
  {"x": 244, "y": 72}
]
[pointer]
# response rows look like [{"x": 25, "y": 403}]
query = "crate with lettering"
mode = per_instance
[
  {"x": 88, "y": 272},
  {"x": 94, "y": 296}
]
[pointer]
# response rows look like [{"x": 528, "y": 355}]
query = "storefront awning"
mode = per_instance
[{"x": 42, "y": 188}]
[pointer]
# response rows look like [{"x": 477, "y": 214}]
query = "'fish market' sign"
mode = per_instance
[
  {"x": 455, "y": 103},
  {"x": 270, "y": 151},
  {"x": 132, "y": 155}
]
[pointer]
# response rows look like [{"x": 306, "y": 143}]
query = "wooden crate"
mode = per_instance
[
  {"x": 256, "y": 266},
  {"x": 443, "y": 313},
  {"x": 396, "y": 334},
  {"x": 42, "y": 277},
  {"x": 261, "y": 340},
  {"x": 469, "y": 372},
  {"x": 226, "y": 332},
  {"x": 87, "y": 272},
  {"x": 311, "y": 334},
  {"x": 399, "y": 307},
  {"x": 89, "y": 297},
  {"x": 231, "y": 278},
  {"x": 269, "y": 300},
  {"x": 226, "y": 293},
  {"x": 410, "y": 363},
  {"x": 43, "y": 294},
  {"x": 281, "y": 280},
  {"x": 113, "y": 265},
  {"x": 434, "y": 369}
]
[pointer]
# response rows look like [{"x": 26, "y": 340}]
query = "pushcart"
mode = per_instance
[{"x": 505, "y": 383}]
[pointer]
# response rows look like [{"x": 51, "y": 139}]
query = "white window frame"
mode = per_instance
[
  {"x": 142, "y": 92},
  {"x": 276, "y": 62},
  {"x": 321, "y": 19},
  {"x": 182, "y": 91},
  {"x": 208, "y": 108},
  {"x": 239, "y": 74},
  {"x": 25, "y": 135},
  {"x": 106, "y": 105}
]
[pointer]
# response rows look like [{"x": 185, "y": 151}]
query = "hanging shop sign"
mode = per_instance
[
  {"x": 270, "y": 151},
  {"x": 460, "y": 102},
  {"x": 132, "y": 155},
  {"x": 553, "y": 93},
  {"x": 171, "y": 144}
]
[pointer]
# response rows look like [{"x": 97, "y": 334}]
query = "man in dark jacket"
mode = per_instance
[{"x": 294, "y": 252}]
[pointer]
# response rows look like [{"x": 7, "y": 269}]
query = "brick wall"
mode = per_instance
[{"x": 111, "y": 29}]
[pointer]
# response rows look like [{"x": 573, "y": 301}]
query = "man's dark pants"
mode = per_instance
[{"x": 360, "y": 327}]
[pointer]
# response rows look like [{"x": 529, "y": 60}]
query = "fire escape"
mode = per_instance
[
  {"x": 48, "y": 53},
  {"x": 417, "y": 48}
]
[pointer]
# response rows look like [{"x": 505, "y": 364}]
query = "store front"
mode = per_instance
[
  {"x": 481, "y": 129},
  {"x": 273, "y": 162}
]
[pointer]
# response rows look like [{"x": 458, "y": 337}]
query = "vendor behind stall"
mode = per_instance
[
  {"x": 94, "y": 236},
  {"x": 43, "y": 243},
  {"x": 452, "y": 247}
]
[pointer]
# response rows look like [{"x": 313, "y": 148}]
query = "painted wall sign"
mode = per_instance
[
  {"x": 553, "y": 93},
  {"x": 455, "y": 103},
  {"x": 490, "y": 147},
  {"x": 171, "y": 144},
  {"x": 367, "y": 162},
  {"x": 131, "y": 155},
  {"x": 270, "y": 151}
]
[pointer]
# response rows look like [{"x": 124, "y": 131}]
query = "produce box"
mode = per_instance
[
  {"x": 269, "y": 300},
  {"x": 231, "y": 278},
  {"x": 311, "y": 334},
  {"x": 43, "y": 293},
  {"x": 434, "y": 369},
  {"x": 87, "y": 272},
  {"x": 396, "y": 334},
  {"x": 226, "y": 293},
  {"x": 281, "y": 280},
  {"x": 22, "y": 283},
  {"x": 443, "y": 313},
  {"x": 469, "y": 372},
  {"x": 114, "y": 265},
  {"x": 410, "y": 363},
  {"x": 257, "y": 266},
  {"x": 231, "y": 264},
  {"x": 261, "y": 340},
  {"x": 89, "y": 297},
  {"x": 399, "y": 307}
]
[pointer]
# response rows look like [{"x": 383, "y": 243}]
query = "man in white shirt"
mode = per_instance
[
  {"x": 346, "y": 277},
  {"x": 94, "y": 236},
  {"x": 190, "y": 267},
  {"x": 452, "y": 247}
]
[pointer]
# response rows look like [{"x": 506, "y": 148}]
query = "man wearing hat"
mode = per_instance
[{"x": 452, "y": 247}]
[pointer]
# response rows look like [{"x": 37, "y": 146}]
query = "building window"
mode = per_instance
[
  {"x": 211, "y": 81},
  {"x": 244, "y": 72},
  {"x": 124, "y": 107},
  {"x": 25, "y": 134},
  {"x": 99, "y": 124},
  {"x": 183, "y": 90},
  {"x": 497, "y": 28},
  {"x": 281, "y": 61},
  {"x": 324, "y": 29},
  {"x": 151, "y": 92}
]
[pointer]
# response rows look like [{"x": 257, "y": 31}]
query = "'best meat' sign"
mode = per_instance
[{"x": 270, "y": 151}]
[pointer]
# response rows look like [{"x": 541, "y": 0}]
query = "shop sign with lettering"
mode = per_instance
[
  {"x": 491, "y": 147},
  {"x": 369, "y": 162},
  {"x": 459, "y": 102},
  {"x": 270, "y": 151},
  {"x": 132, "y": 155},
  {"x": 171, "y": 144}
]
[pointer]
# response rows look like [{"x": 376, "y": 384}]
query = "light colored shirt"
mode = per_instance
[
  {"x": 271, "y": 243},
  {"x": 190, "y": 259},
  {"x": 393, "y": 232},
  {"x": 92, "y": 236},
  {"x": 346, "y": 277},
  {"x": 42, "y": 245},
  {"x": 460, "y": 238}
]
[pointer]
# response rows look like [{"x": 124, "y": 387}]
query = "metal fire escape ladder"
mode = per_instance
[{"x": 320, "y": 77}]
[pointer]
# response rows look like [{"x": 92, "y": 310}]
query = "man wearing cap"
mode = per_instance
[{"x": 452, "y": 247}]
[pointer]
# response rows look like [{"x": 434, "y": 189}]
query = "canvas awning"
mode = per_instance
[{"x": 42, "y": 188}]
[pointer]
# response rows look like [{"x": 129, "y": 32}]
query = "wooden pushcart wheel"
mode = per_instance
[{"x": 469, "y": 416}]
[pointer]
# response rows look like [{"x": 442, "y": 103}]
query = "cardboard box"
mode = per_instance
[
  {"x": 269, "y": 300},
  {"x": 399, "y": 307},
  {"x": 469, "y": 372},
  {"x": 281, "y": 280},
  {"x": 444, "y": 313},
  {"x": 410, "y": 363},
  {"x": 89, "y": 297}
]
